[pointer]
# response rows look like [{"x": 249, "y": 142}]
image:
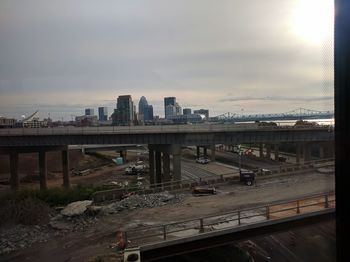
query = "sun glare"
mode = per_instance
[{"x": 313, "y": 20}]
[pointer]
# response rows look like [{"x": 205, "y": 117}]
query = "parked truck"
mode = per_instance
[
  {"x": 247, "y": 177},
  {"x": 135, "y": 169}
]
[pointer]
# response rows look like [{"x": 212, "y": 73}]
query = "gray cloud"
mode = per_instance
[
  {"x": 277, "y": 98},
  {"x": 85, "y": 51}
]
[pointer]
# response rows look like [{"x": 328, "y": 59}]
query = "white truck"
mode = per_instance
[{"x": 135, "y": 169}]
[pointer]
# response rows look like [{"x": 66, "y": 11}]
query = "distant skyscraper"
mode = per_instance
[
  {"x": 150, "y": 112},
  {"x": 202, "y": 112},
  {"x": 177, "y": 109},
  {"x": 168, "y": 101},
  {"x": 187, "y": 111},
  {"x": 103, "y": 113},
  {"x": 170, "y": 111},
  {"x": 124, "y": 113},
  {"x": 89, "y": 111},
  {"x": 145, "y": 110}
]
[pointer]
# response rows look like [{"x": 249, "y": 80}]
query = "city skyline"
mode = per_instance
[{"x": 208, "y": 55}]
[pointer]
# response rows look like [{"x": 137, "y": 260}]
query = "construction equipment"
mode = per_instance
[
  {"x": 247, "y": 177},
  {"x": 203, "y": 191}
]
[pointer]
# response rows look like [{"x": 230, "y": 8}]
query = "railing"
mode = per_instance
[
  {"x": 192, "y": 227},
  {"x": 206, "y": 128}
]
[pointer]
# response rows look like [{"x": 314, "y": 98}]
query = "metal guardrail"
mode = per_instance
[
  {"x": 205, "y": 128},
  {"x": 196, "y": 226}
]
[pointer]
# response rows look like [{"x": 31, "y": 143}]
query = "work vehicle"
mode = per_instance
[
  {"x": 135, "y": 169},
  {"x": 264, "y": 171},
  {"x": 202, "y": 160},
  {"x": 203, "y": 190},
  {"x": 247, "y": 177}
]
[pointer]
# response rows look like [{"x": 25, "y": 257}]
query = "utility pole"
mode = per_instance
[{"x": 239, "y": 158}]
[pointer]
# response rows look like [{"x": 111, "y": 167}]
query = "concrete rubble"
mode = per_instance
[
  {"x": 140, "y": 201},
  {"x": 76, "y": 217},
  {"x": 76, "y": 208},
  {"x": 21, "y": 236}
]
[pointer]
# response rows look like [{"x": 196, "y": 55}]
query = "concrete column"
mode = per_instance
[
  {"x": 158, "y": 167},
  {"x": 122, "y": 154},
  {"x": 151, "y": 166},
  {"x": 166, "y": 167},
  {"x": 261, "y": 150},
  {"x": 321, "y": 151},
  {"x": 65, "y": 168},
  {"x": 177, "y": 167},
  {"x": 298, "y": 152},
  {"x": 14, "y": 179},
  {"x": 307, "y": 152},
  {"x": 212, "y": 153},
  {"x": 276, "y": 152},
  {"x": 329, "y": 150},
  {"x": 205, "y": 151},
  {"x": 42, "y": 170},
  {"x": 198, "y": 151},
  {"x": 268, "y": 151}
]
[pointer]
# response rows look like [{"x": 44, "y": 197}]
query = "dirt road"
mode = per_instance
[{"x": 79, "y": 246}]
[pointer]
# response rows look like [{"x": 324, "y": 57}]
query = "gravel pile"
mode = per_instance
[
  {"x": 21, "y": 236},
  {"x": 144, "y": 201}
]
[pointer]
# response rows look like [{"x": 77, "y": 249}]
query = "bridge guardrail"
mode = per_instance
[
  {"x": 210, "y": 128},
  {"x": 191, "y": 227}
]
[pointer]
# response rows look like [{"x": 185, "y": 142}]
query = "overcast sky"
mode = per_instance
[{"x": 227, "y": 56}]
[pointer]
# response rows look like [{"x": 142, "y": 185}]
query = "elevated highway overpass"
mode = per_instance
[
  {"x": 202, "y": 134},
  {"x": 164, "y": 143}
]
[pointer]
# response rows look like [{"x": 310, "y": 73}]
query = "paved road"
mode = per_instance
[{"x": 191, "y": 170}]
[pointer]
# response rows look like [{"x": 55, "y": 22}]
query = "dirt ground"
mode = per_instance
[
  {"x": 102, "y": 169},
  {"x": 95, "y": 240}
]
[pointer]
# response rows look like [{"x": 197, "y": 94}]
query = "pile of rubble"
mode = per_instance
[
  {"x": 76, "y": 217},
  {"x": 21, "y": 236},
  {"x": 141, "y": 201}
]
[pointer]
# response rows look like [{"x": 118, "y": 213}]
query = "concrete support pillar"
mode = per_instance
[
  {"x": 329, "y": 150},
  {"x": 166, "y": 167},
  {"x": 14, "y": 179},
  {"x": 205, "y": 151},
  {"x": 276, "y": 152},
  {"x": 158, "y": 167},
  {"x": 261, "y": 150},
  {"x": 307, "y": 152},
  {"x": 212, "y": 153},
  {"x": 298, "y": 152},
  {"x": 268, "y": 151},
  {"x": 151, "y": 166},
  {"x": 321, "y": 151},
  {"x": 42, "y": 170},
  {"x": 198, "y": 151},
  {"x": 177, "y": 167},
  {"x": 65, "y": 168},
  {"x": 122, "y": 154}
]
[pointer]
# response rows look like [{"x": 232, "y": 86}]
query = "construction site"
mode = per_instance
[{"x": 129, "y": 203}]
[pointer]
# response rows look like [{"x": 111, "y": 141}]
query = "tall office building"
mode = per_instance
[
  {"x": 170, "y": 111},
  {"x": 124, "y": 113},
  {"x": 168, "y": 101},
  {"x": 103, "y": 113},
  {"x": 177, "y": 109},
  {"x": 145, "y": 110},
  {"x": 89, "y": 111}
]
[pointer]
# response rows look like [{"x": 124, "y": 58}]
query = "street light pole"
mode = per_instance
[{"x": 239, "y": 158}]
